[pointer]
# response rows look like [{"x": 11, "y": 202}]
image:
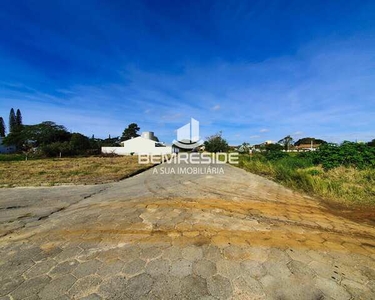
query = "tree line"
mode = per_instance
[
  {"x": 50, "y": 139},
  {"x": 15, "y": 122}
]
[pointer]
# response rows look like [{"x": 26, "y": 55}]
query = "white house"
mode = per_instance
[
  {"x": 147, "y": 143},
  {"x": 6, "y": 149}
]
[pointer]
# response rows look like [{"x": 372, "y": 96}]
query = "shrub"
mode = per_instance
[
  {"x": 347, "y": 154},
  {"x": 54, "y": 149}
]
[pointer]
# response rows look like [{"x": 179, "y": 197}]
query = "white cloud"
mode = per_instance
[{"x": 312, "y": 91}]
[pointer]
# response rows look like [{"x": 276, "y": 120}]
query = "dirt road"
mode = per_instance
[{"x": 180, "y": 236}]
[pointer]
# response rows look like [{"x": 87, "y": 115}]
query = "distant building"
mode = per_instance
[
  {"x": 308, "y": 144},
  {"x": 147, "y": 143},
  {"x": 307, "y": 147},
  {"x": 6, "y": 149},
  {"x": 261, "y": 146}
]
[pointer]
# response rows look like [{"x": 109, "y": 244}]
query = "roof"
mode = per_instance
[
  {"x": 138, "y": 138},
  {"x": 307, "y": 146}
]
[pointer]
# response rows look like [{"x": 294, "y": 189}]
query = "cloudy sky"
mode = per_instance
[{"x": 255, "y": 70}]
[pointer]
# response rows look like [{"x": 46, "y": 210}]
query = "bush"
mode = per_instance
[
  {"x": 54, "y": 149},
  {"x": 79, "y": 143},
  {"x": 342, "y": 173},
  {"x": 347, "y": 154},
  {"x": 12, "y": 157},
  {"x": 216, "y": 143},
  {"x": 275, "y": 155}
]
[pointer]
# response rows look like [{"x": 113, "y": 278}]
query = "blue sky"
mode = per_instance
[{"x": 257, "y": 70}]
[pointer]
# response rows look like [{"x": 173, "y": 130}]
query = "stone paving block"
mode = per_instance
[
  {"x": 181, "y": 268},
  {"x": 151, "y": 253},
  {"x": 68, "y": 254},
  {"x": 357, "y": 290},
  {"x": 134, "y": 267},
  {"x": 204, "y": 268},
  {"x": 40, "y": 268},
  {"x": 228, "y": 268},
  {"x": 258, "y": 253},
  {"x": 253, "y": 269},
  {"x": 13, "y": 269},
  {"x": 114, "y": 288},
  {"x": 172, "y": 253},
  {"x": 331, "y": 289},
  {"x": 236, "y": 253},
  {"x": 247, "y": 288},
  {"x": 139, "y": 285},
  {"x": 87, "y": 268},
  {"x": 278, "y": 255},
  {"x": 193, "y": 287},
  {"x": 212, "y": 253},
  {"x": 57, "y": 287},
  {"x": 30, "y": 287},
  {"x": 326, "y": 271},
  {"x": 219, "y": 287},
  {"x": 110, "y": 268},
  {"x": 8, "y": 284},
  {"x": 129, "y": 253},
  {"x": 300, "y": 269},
  {"x": 277, "y": 269},
  {"x": 84, "y": 286},
  {"x": 166, "y": 287},
  {"x": 158, "y": 267},
  {"x": 64, "y": 268},
  {"x": 371, "y": 284},
  {"x": 299, "y": 255},
  {"x": 192, "y": 253},
  {"x": 290, "y": 287},
  {"x": 91, "y": 297}
]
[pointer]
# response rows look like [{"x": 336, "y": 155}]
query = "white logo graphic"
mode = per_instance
[{"x": 188, "y": 136}]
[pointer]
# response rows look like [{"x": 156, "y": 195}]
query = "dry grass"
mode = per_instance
[
  {"x": 348, "y": 186},
  {"x": 82, "y": 170}
]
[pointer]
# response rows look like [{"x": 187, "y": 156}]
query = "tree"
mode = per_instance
[
  {"x": 57, "y": 149},
  {"x": 12, "y": 121},
  {"x": 372, "y": 143},
  {"x": 286, "y": 142},
  {"x": 79, "y": 143},
  {"x": 38, "y": 135},
  {"x": 215, "y": 143},
  {"x": 47, "y": 132},
  {"x": 130, "y": 132},
  {"x": 244, "y": 148},
  {"x": 273, "y": 147},
  {"x": 2, "y": 127},
  {"x": 18, "y": 118},
  {"x": 110, "y": 142},
  {"x": 308, "y": 140}
]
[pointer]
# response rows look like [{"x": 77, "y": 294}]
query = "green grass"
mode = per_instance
[
  {"x": 12, "y": 157},
  {"x": 347, "y": 185}
]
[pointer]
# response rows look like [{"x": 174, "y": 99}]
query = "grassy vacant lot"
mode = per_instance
[
  {"x": 347, "y": 185},
  {"x": 79, "y": 170}
]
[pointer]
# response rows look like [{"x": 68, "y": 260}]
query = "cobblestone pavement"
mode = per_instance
[{"x": 229, "y": 236}]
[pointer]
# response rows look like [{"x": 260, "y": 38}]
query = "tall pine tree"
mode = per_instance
[
  {"x": 2, "y": 127},
  {"x": 12, "y": 121},
  {"x": 18, "y": 118}
]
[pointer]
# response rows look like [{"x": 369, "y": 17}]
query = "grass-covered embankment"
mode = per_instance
[{"x": 345, "y": 173}]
